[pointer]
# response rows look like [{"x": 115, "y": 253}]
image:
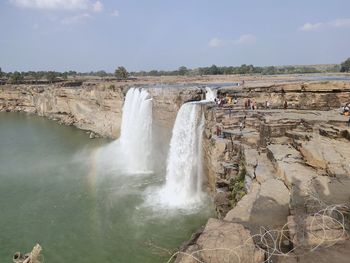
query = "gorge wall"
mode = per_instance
[{"x": 96, "y": 107}]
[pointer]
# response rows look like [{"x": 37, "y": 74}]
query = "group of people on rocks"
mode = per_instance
[
  {"x": 225, "y": 100},
  {"x": 250, "y": 104}
]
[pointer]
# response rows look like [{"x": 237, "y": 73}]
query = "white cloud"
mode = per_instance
[
  {"x": 246, "y": 39},
  {"x": 311, "y": 27},
  {"x": 59, "y": 4},
  {"x": 216, "y": 42},
  {"x": 115, "y": 13},
  {"x": 337, "y": 23},
  {"x": 76, "y": 19}
]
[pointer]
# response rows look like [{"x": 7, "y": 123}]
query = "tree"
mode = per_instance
[
  {"x": 183, "y": 71},
  {"x": 101, "y": 73},
  {"x": 345, "y": 66},
  {"x": 269, "y": 70},
  {"x": 1, "y": 73},
  {"x": 51, "y": 76},
  {"x": 16, "y": 78},
  {"x": 121, "y": 73},
  {"x": 214, "y": 70}
]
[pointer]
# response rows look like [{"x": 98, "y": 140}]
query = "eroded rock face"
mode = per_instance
[
  {"x": 223, "y": 241},
  {"x": 96, "y": 107}
]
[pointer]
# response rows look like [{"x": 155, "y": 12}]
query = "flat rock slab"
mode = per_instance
[
  {"x": 330, "y": 155},
  {"x": 251, "y": 211}
]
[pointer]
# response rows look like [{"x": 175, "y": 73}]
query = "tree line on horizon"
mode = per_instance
[{"x": 121, "y": 73}]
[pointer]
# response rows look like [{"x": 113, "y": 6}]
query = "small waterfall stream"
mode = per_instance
[{"x": 210, "y": 94}]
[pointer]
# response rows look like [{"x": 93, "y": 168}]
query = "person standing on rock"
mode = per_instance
[{"x": 218, "y": 131}]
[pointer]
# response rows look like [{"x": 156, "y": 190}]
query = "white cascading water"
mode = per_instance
[
  {"x": 136, "y": 131},
  {"x": 183, "y": 186},
  {"x": 210, "y": 94}
]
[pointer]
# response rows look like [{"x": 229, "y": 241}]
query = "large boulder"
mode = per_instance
[{"x": 223, "y": 241}]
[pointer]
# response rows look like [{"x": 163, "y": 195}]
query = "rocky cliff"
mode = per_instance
[
  {"x": 281, "y": 174},
  {"x": 96, "y": 107}
]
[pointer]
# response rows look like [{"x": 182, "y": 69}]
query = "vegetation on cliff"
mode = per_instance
[{"x": 237, "y": 187}]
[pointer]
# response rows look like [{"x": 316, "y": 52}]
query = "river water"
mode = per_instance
[{"x": 54, "y": 192}]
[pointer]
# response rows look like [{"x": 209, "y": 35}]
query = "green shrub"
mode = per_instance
[{"x": 237, "y": 187}]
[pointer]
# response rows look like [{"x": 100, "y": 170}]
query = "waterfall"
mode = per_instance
[
  {"x": 184, "y": 165},
  {"x": 210, "y": 94},
  {"x": 136, "y": 131}
]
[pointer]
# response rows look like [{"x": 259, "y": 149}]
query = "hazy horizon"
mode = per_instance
[{"x": 90, "y": 35}]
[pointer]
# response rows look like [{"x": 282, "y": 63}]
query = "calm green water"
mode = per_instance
[{"x": 53, "y": 192}]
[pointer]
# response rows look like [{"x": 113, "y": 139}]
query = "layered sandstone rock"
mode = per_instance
[
  {"x": 93, "y": 106},
  {"x": 296, "y": 165}
]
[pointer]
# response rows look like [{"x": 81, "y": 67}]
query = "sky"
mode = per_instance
[{"x": 90, "y": 35}]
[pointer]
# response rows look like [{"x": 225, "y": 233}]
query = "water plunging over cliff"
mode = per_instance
[
  {"x": 210, "y": 94},
  {"x": 136, "y": 131},
  {"x": 184, "y": 165}
]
